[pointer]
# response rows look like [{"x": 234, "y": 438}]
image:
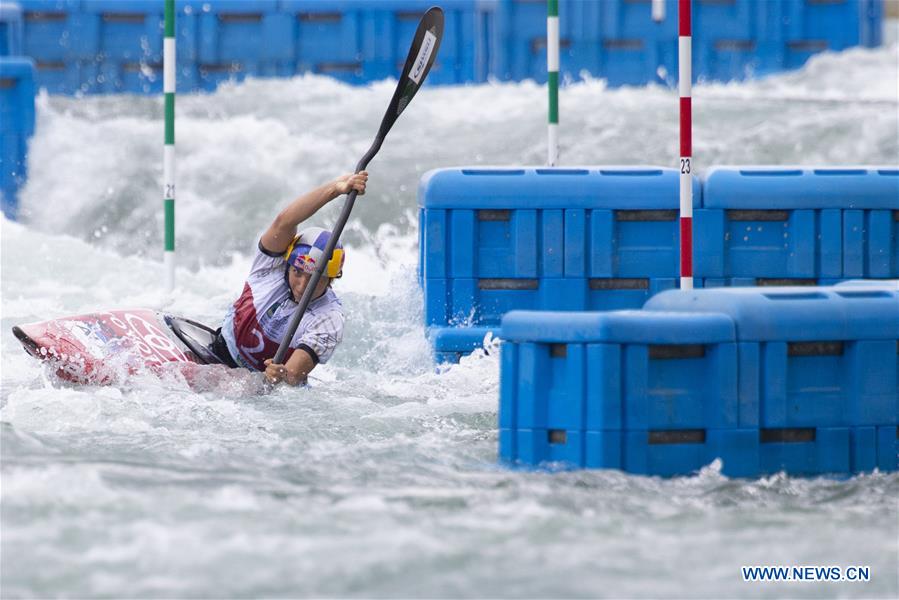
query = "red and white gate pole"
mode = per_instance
[{"x": 684, "y": 78}]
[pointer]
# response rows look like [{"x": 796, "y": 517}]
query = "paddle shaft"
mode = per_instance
[
  {"x": 418, "y": 63},
  {"x": 329, "y": 249}
]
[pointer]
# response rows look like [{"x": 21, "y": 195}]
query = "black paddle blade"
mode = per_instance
[{"x": 421, "y": 57}]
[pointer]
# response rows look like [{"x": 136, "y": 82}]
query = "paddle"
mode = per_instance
[{"x": 418, "y": 63}]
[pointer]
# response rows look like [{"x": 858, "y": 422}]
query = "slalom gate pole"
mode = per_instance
[
  {"x": 168, "y": 169},
  {"x": 552, "y": 67},
  {"x": 685, "y": 74}
]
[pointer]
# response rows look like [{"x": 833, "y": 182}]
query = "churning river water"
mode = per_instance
[{"x": 381, "y": 479}]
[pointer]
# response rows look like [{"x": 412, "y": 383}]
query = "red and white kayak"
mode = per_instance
[{"x": 103, "y": 347}]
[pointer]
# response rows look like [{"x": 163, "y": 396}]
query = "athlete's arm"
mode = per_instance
[
  {"x": 294, "y": 372},
  {"x": 280, "y": 233}
]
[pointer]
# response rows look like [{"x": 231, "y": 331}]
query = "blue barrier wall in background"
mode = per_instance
[
  {"x": 102, "y": 46},
  {"x": 778, "y": 379},
  {"x": 618, "y": 40},
  {"x": 108, "y": 46},
  {"x": 16, "y": 126}
]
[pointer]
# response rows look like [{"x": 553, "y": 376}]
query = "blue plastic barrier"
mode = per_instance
[
  {"x": 99, "y": 46},
  {"x": 619, "y": 41},
  {"x": 53, "y": 30},
  {"x": 809, "y": 357},
  {"x": 10, "y": 29},
  {"x": 798, "y": 223},
  {"x": 874, "y": 448},
  {"x": 356, "y": 41},
  {"x": 779, "y": 379},
  {"x": 16, "y": 126},
  {"x": 233, "y": 39},
  {"x": 601, "y": 231},
  {"x": 619, "y": 370},
  {"x": 120, "y": 46},
  {"x": 811, "y": 27},
  {"x": 649, "y": 393},
  {"x": 614, "y": 39},
  {"x": 451, "y": 343},
  {"x": 103, "y": 46},
  {"x": 495, "y": 240}
]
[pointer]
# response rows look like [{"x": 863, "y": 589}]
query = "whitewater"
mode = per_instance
[{"x": 381, "y": 478}]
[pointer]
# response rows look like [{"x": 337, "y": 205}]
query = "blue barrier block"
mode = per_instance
[
  {"x": 357, "y": 42},
  {"x": 604, "y": 450},
  {"x": 536, "y": 446},
  {"x": 521, "y": 26},
  {"x": 436, "y": 302},
  {"x": 619, "y": 41},
  {"x": 507, "y": 448},
  {"x": 10, "y": 29},
  {"x": 805, "y": 451},
  {"x": 508, "y": 386},
  {"x": 618, "y": 370},
  {"x": 325, "y": 38},
  {"x": 871, "y": 30},
  {"x": 493, "y": 240},
  {"x": 614, "y": 39},
  {"x": 871, "y": 241},
  {"x": 107, "y": 46},
  {"x": 17, "y": 95},
  {"x": 795, "y": 313},
  {"x": 670, "y": 453},
  {"x": 48, "y": 26},
  {"x": 657, "y": 453},
  {"x": 13, "y": 170},
  {"x": 862, "y": 449},
  {"x": 812, "y": 27},
  {"x": 16, "y": 125},
  {"x": 228, "y": 39},
  {"x": 483, "y": 302},
  {"x": 725, "y": 38},
  {"x": 459, "y": 340},
  {"x": 632, "y": 48},
  {"x": 786, "y": 222},
  {"x": 809, "y": 356},
  {"x": 524, "y": 223},
  {"x": 127, "y": 48},
  {"x": 887, "y": 448}
]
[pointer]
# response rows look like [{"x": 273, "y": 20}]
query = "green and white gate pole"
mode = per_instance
[
  {"x": 168, "y": 71},
  {"x": 552, "y": 66}
]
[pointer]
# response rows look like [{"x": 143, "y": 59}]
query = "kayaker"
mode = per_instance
[{"x": 281, "y": 270}]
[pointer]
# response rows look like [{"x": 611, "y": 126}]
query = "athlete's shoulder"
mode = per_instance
[{"x": 329, "y": 301}]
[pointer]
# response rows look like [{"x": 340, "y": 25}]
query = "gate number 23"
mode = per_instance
[{"x": 685, "y": 166}]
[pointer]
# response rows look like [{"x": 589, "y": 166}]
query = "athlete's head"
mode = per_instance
[{"x": 303, "y": 257}]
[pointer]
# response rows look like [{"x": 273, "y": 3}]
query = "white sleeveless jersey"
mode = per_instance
[{"x": 257, "y": 321}]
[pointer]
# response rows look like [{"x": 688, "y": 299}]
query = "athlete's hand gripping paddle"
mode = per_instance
[{"x": 421, "y": 56}]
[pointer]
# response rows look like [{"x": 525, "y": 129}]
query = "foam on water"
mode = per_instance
[{"x": 380, "y": 479}]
